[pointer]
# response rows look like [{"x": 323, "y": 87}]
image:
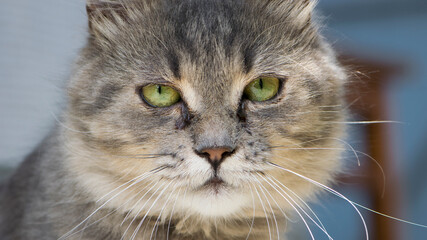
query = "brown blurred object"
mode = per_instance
[{"x": 366, "y": 94}]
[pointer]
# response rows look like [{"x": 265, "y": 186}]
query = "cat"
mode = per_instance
[{"x": 190, "y": 119}]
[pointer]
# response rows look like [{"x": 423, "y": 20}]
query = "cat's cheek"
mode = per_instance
[
  {"x": 99, "y": 171},
  {"x": 314, "y": 163}
]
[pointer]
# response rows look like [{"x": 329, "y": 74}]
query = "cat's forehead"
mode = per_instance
[
  {"x": 212, "y": 46},
  {"x": 206, "y": 47},
  {"x": 215, "y": 35},
  {"x": 207, "y": 86}
]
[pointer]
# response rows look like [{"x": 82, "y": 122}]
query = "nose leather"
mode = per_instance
[{"x": 216, "y": 156}]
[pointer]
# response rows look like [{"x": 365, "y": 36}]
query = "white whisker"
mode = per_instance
[
  {"x": 253, "y": 215},
  {"x": 115, "y": 210},
  {"x": 332, "y": 138},
  {"x": 301, "y": 200},
  {"x": 278, "y": 206},
  {"x": 139, "y": 200},
  {"x": 148, "y": 211},
  {"x": 66, "y": 235},
  {"x": 161, "y": 211},
  {"x": 136, "y": 215},
  {"x": 265, "y": 212},
  {"x": 134, "y": 179},
  {"x": 173, "y": 210},
  {"x": 343, "y": 149},
  {"x": 318, "y": 224},
  {"x": 329, "y": 190},
  {"x": 368, "y": 122},
  {"x": 390, "y": 217},
  {"x": 268, "y": 202},
  {"x": 293, "y": 206},
  {"x": 352, "y": 103}
]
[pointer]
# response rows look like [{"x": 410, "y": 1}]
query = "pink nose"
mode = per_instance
[{"x": 216, "y": 154}]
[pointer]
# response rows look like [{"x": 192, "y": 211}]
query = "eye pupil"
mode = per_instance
[
  {"x": 262, "y": 89},
  {"x": 157, "y": 95}
]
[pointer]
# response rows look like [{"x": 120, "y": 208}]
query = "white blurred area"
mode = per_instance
[{"x": 38, "y": 44}]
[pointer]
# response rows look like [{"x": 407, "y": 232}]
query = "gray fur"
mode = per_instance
[{"x": 205, "y": 49}]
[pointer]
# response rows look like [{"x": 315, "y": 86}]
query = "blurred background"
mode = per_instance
[{"x": 382, "y": 42}]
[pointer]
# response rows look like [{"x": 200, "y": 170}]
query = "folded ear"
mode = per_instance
[
  {"x": 104, "y": 12},
  {"x": 303, "y": 11},
  {"x": 300, "y": 11}
]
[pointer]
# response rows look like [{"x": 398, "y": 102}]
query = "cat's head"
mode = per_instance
[{"x": 196, "y": 101}]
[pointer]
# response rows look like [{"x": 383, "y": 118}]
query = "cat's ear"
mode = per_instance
[
  {"x": 303, "y": 11},
  {"x": 300, "y": 11},
  {"x": 105, "y": 13}
]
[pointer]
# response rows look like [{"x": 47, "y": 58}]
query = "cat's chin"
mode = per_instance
[{"x": 215, "y": 201}]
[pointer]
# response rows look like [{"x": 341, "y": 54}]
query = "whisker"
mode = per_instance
[
  {"x": 278, "y": 206},
  {"x": 268, "y": 202},
  {"x": 301, "y": 200},
  {"x": 265, "y": 212},
  {"x": 147, "y": 154},
  {"x": 139, "y": 200},
  {"x": 148, "y": 211},
  {"x": 115, "y": 210},
  {"x": 100, "y": 207},
  {"x": 134, "y": 179},
  {"x": 369, "y": 122},
  {"x": 319, "y": 224},
  {"x": 331, "y": 106},
  {"x": 347, "y": 144},
  {"x": 65, "y": 126},
  {"x": 134, "y": 206},
  {"x": 173, "y": 210},
  {"x": 330, "y": 138},
  {"x": 161, "y": 211},
  {"x": 380, "y": 167},
  {"x": 329, "y": 190},
  {"x": 390, "y": 217},
  {"x": 253, "y": 215},
  {"x": 93, "y": 154},
  {"x": 293, "y": 206},
  {"x": 354, "y": 204},
  {"x": 352, "y": 103},
  {"x": 345, "y": 149}
]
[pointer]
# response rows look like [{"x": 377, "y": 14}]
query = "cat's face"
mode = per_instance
[{"x": 208, "y": 52}]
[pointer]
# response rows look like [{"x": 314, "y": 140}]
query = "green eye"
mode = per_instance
[
  {"x": 160, "y": 95},
  {"x": 262, "y": 89}
]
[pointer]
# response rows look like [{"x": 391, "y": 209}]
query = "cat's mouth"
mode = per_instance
[{"x": 214, "y": 183}]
